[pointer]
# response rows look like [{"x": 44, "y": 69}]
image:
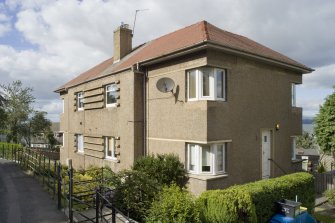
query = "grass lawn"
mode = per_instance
[{"x": 324, "y": 218}]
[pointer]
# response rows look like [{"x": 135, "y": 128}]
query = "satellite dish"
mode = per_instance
[{"x": 165, "y": 84}]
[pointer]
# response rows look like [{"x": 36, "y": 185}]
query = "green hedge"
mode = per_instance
[
  {"x": 173, "y": 205},
  {"x": 230, "y": 205},
  {"x": 243, "y": 202}
]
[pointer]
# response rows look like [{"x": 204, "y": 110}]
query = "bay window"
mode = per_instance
[
  {"x": 206, "y": 159},
  {"x": 206, "y": 83}
]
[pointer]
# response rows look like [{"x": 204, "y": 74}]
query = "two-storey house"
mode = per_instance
[{"x": 230, "y": 116}]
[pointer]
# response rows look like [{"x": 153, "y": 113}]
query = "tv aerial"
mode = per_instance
[
  {"x": 165, "y": 85},
  {"x": 136, "y": 11}
]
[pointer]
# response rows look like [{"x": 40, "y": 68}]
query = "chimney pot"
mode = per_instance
[{"x": 122, "y": 41}]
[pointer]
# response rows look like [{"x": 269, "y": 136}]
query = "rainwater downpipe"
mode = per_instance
[{"x": 145, "y": 78}]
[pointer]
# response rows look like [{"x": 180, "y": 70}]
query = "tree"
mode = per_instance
[
  {"x": 306, "y": 141},
  {"x": 52, "y": 140},
  {"x": 2, "y": 113},
  {"x": 325, "y": 125},
  {"x": 36, "y": 126},
  {"x": 18, "y": 107}
]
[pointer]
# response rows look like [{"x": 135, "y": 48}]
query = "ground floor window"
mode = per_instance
[
  {"x": 110, "y": 148},
  {"x": 206, "y": 159},
  {"x": 80, "y": 143}
]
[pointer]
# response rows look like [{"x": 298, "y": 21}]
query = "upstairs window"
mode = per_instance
[
  {"x": 80, "y": 101},
  {"x": 111, "y": 95},
  {"x": 110, "y": 148},
  {"x": 206, "y": 83},
  {"x": 293, "y": 95},
  {"x": 206, "y": 159},
  {"x": 80, "y": 143}
]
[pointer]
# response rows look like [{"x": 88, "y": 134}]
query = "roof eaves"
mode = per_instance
[{"x": 302, "y": 69}]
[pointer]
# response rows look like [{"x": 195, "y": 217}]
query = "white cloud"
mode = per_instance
[
  {"x": 71, "y": 36},
  {"x": 322, "y": 77},
  {"x": 5, "y": 25}
]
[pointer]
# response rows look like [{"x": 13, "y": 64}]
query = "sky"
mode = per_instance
[{"x": 45, "y": 43}]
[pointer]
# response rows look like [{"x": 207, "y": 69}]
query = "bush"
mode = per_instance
[
  {"x": 134, "y": 193},
  {"x": 330, "y": 194},
  {"x": 241, "y": 203},
  {"x": 230, "y": 205},
  {"x": 165, "y": 168},
  {"x": 321, "y": 167},
  {"x": 173, "y": 205}
]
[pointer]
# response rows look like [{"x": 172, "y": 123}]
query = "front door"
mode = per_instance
[{"x": 266, "y": 154}]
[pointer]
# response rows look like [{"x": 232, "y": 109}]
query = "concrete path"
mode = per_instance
[{"x": 22, "y": 198}]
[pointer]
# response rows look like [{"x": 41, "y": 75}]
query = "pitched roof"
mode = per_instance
[{"x": 190, "y": 36}]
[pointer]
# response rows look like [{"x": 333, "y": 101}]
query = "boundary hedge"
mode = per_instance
[{"x": 255, "y": 202}]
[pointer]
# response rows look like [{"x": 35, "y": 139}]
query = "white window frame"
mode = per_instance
[
  {"x": 293, "y": 147},
  {"x": 80, "y": 98},
  {"x": 80, "y": 143},
  {"x": 213, "y": 79},
  {"x": 293, "y": 95},
  {"x": 63, "y": 105},
  {"x": 107, "y": 145},
  {"x": 106, "y": 93},
  {"x": 213, "y": 159}
]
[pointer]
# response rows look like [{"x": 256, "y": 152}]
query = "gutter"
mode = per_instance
[{"x": 213, "y": 45}]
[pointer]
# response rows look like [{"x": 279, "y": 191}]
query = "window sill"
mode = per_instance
[
  {"x": 207, "y": 99},
  {"x": 80, "y": 153},
  {"x": 115, "y": 160},
  {"x": 207, "y": 177},
  {"x": 114, "y": 105}
]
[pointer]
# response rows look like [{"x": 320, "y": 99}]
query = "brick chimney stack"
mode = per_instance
[{"x": 122, "y": 41}]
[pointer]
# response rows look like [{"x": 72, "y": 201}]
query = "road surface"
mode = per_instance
[{"x": 22, "y": 198}]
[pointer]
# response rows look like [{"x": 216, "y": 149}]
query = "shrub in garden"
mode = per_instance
[
  {"x": 230, "y": 205},
  {"x": 165, "y": 168},
  {"x": 173, "y": 205},
  {"x": 134, "y": 193},
  {"x": 330, "y": 194}
]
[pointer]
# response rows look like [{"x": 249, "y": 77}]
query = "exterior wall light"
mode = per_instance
[{"x": 277, "y": 126}]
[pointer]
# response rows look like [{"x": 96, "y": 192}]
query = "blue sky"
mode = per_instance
[{"x": 45, "y": 43}]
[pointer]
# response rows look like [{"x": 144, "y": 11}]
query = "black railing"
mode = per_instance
[
  {"x": 78, "y": 198},
  {"x": 277, "y": 165}
]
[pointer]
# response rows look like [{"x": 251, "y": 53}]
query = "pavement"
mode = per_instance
[
  {"x": 23, "y": 200},
  {"x": 319, "y": 200}
]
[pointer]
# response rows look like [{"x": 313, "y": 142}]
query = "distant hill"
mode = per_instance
[{"x": 307, "y": 120}]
